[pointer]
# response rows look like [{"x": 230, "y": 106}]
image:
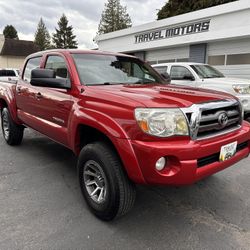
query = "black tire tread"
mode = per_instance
[
  {"x": 127, "y": 192},
  {"x": 127, "y": 189},
  {"x": 16, "y": 131}
]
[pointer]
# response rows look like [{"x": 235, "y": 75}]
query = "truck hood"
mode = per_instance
[
  {"x": 160, "y": 95},
  {"x": 228, "y": 80}
]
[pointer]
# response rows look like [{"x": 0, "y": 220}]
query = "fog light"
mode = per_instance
[{"x": 160, "y": 164}]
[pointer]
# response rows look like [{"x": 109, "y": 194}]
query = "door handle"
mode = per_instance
[
  {"x": 39, "y": 95},
  {"x": 18, "y": 90}
]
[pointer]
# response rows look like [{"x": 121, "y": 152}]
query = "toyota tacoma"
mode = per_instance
[{"x": 125, "y": 123}]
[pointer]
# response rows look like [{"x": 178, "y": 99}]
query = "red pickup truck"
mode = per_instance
[{"x": 126, "y": 123}]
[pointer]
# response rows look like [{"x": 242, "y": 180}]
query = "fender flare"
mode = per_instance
[{"x": 114, "y": 133}]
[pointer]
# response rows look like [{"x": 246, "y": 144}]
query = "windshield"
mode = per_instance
[
  {"x": 206, "y": 71},
  {"x": 110, "y": 69}
]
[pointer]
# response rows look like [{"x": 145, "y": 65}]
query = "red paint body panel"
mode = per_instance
[{"x": 110, "y": 110}]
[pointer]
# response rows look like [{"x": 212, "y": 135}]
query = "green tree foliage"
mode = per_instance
[
  {"x": 177, "y": 7},
  {"x": 42, "y": 37},
  {"x": 114, "y": 17},
  {"x": 10, "y": 32},
  {"x": 64, "y": 38}
]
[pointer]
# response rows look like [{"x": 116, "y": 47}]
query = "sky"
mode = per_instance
[{"x": 83, "y": 15}]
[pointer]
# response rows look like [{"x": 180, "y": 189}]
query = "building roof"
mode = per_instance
[{"x": 13, "y": 47}]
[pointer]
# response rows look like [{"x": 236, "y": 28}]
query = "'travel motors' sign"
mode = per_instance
[{"x": 186, "y": 29}]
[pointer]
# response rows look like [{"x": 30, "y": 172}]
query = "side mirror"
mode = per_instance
[
  {"x": 188, "y": 77},
  {"x": 166, "y": 77},
  {"x": 47, "y": 78}
]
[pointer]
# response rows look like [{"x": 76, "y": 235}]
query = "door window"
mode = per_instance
[
  {"x": 33, "y": 63},
  {"x": 161, "y": 69},
  {"x": 180, "y": 73},
  {"x": 58, "y": 64}
]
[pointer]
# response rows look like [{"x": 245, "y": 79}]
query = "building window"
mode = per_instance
[
  {"x": 166, "y": 61},
  {"x": 182, "y": 60},
  {"x": 238, "y": 59},
  {"x": 152, "y": 62},
  {"x": 216, "y": 60}
]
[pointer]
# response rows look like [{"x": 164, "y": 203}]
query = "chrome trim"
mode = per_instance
[
  {"x": 196, "y": 111},
  {"x": 219, "y": 133}
]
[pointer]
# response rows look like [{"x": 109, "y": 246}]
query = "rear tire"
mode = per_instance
[
  {"x": 12, "y": 132},
  {"x": 104, "y": 183}
]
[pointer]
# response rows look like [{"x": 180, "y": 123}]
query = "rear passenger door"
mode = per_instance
[
  {"x": 182, "y": 75},
  {"x": 26, "y": 93}
]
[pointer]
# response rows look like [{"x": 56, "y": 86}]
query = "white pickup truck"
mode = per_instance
[
  {"x": 9, "y": 74},
  {"x": 205, "y": 76}
]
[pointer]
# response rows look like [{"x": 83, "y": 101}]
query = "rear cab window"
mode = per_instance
[
  {"x": 33, "y": 63},
  {"x": 7, "y": 73}
]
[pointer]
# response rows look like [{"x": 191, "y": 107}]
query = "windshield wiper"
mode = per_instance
[
  {"x": 111, "y": 83},
  {"x": 143, "y": 82},
  {"x": 105, "y": 83}
]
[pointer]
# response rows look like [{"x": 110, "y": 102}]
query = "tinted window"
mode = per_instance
[
  {"x": 216, "y": 60},
  {"x": 162, "y": 69},
  {"x": 58, "y": 64},
  {"x": 2, "y": 73},
  {"x": 179, "y": 73},
  {"x": 33, "y": 63},
  {"x": 6, "y": 73},
  {"x": 238, "y": 59},
  {"x": 111, "y": 69}
]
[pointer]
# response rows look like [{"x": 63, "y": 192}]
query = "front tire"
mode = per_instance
[
  {"x": 12, "y": 133},
  {"x": 104, "y": 184}
]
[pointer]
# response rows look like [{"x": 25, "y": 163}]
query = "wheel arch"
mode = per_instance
[{"x": 122, "y": 147}]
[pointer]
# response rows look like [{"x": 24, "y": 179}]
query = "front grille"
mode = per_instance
[
  {"x": 214, "y": 118},
  {"x": 209, "y": 121},
  {"x": 215, "y": 157}
]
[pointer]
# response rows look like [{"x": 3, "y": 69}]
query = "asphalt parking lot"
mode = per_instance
[{"x": 41, "y": 207}]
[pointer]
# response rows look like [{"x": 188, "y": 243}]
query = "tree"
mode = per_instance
[
  {"x": 177, "y": 7},
  {"x": 64, "y": 37},
  {"x": 42, "y": 37},
  {"x": 10, "y": 32},
  {"x": 114, "y": 17}
]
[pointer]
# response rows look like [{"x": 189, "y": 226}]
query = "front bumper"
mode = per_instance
[{"x": 185, "y": 156}]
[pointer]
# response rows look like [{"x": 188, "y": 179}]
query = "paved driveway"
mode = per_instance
[{"x": 41, "y": 207}]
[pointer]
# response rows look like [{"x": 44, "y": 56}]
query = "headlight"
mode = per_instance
[
  {"x": 241, "y": 89},
  {"x": 162, "y": 122}
]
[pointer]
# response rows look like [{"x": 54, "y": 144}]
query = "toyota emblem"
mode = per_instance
[{"x": 223, "y": 119}]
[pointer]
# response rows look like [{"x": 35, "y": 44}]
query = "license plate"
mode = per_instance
[{"x": 228, "y": 151}]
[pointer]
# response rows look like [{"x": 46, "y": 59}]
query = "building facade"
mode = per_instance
[
  {"x": 218, "y": 35},
  {"x": 13, "y": 52}
]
